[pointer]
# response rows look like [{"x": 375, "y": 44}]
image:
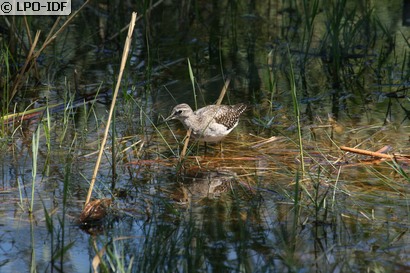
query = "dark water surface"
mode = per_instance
[{"x": 253, "y": 208}]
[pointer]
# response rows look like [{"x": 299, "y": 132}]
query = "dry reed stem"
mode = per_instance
[
  {"x": 30, "y": 57},
  {"x": 223, "y": 92},
  {"x": 28, "y": 31},
  {"x": 114, "y": 98}
]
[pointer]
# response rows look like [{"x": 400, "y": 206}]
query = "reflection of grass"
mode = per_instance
[{"x": 59, "y": 248}]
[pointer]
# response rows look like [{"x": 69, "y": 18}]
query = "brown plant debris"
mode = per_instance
[{"x": 95, "y": 210}]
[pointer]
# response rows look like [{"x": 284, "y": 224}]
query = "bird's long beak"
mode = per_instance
[{"x": 169, "y": 118}]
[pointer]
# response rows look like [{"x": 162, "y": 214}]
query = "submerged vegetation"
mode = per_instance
[{"x": 314, "y": 178}]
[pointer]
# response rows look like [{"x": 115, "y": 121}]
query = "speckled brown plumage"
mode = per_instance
[
  {"x": 210, "y": 123},
  {"x": 230, "y": 115}
]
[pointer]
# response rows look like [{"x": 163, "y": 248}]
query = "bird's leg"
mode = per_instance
[
  {"x": 221, "y": 150},
  {"x": 206, "y": 148}
]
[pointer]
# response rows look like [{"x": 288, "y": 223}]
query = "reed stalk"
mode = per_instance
[
  {"x": 188, "y": 133},
  {"x": 192, "y": 78},
  {"x": 117, "y": 87},
  {"x": 296, "y": 111}
]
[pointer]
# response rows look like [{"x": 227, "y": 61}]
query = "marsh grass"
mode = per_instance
[
  {"x": 5, "y": 59},
  {"x": 193, "y": 83},
  {"x": 35, "y": 149},
  {"x": 47, "y": 129},
  {"x": 31, "y": 54},
  {"x": 117, "y": 259},
  {"x": 303, "y": 205},
  {"x": 33, "y": 261},
  {"x": 56, "y": 228},
  {"x": 350, "y": 42},
  {"x": 296, "y": 110}
]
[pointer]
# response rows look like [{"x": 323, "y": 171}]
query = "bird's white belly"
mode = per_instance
[{"x": 213, "y": 133}]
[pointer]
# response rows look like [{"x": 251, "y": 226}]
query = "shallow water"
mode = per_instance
[{"x": 251, "y": 208}]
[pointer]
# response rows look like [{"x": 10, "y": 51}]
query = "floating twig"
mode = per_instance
[{"x": 374, "y": 154}]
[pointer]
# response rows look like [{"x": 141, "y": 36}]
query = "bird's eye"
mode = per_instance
[{"x": 178, "y": 112}]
